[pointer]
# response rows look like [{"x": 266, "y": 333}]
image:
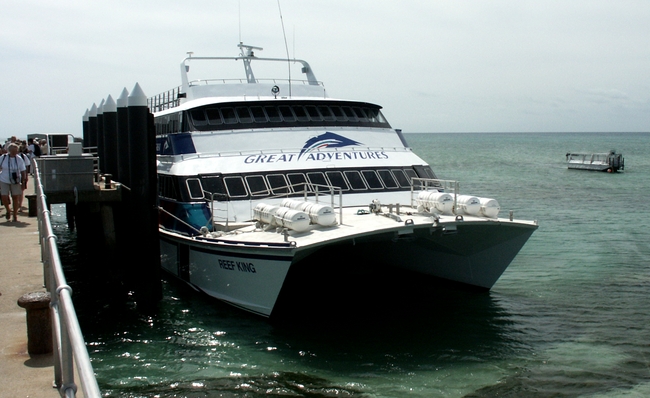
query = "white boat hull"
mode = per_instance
[
  {"x": 249, "y": 279},
  {"x": 254, "y": 276}
]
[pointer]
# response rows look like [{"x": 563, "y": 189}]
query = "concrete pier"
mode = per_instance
[{"x": 22, "y": 272}]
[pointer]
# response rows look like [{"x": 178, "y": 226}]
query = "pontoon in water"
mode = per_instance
[{"x": 610, "y": 162}]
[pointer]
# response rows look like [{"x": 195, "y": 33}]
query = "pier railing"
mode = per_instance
[{"x": 68, "y": 342}]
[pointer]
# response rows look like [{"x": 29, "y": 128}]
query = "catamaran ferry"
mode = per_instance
[{"x": 261, "y": 179}]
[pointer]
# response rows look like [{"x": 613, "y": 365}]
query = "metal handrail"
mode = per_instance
[
  {"x": 197, "y": 82},
  {"x": 309, "y": 189},
  {"x": 423, "y": 184},
  {"x": 68, "y": 342}
]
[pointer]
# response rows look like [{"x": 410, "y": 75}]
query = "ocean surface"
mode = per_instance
[{"x": 570, "y": 317}]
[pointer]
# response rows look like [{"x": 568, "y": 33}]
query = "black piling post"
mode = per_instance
[
  {"x": 122, "y": 174},
  {"x": 142, "y": 155},
  {"x": 123, "y": 224},
  {"x": 92, "y": 126},
  {"x": 110, "y": 137},
  {"x": 84, "y": 128},
  {"x": 100, "y": 136}
]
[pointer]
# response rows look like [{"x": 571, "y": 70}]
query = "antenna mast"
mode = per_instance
[
  {"x": 247, "y": 54},
  {"x": 286, "y": 47}
]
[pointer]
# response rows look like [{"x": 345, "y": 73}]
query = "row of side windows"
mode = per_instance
[
  {"x": 272, "y": 115},
  {"x": 264, "y": 185},
  {"x": 269, "y": 115}
]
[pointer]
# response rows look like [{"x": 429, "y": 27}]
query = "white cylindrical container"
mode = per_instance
[
  {"x": 265, "y": 213},
  {"x": 442, "y": 201},
  {"x": 293, "y": 219},
  {"x": 321, "y": 214},
  {"x": 436, "y": 202},
  {"x": 467, "y": 204},
  {"x": 291, "y": 203},
  {"x": 489, "y": 207},
  {"x": 318, "y": 213}
]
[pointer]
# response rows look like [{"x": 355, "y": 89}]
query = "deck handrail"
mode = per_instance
[
  {"x": 423, "y": 184},
  {"x": 308, "y": 190},
  {"x": 68, "y": 342}
]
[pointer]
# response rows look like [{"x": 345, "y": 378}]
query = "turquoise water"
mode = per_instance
[{"x": 569, "y": 318}]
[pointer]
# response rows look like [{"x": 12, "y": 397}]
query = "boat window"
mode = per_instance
[
  {"x": 287, "y": 113},
  {"x": 273, "y": 114},
  {"x": 424, "y": 172},
  {"x": 401, "y": 178},
  {"x": 382, "y": 119},
  {"x": 298, "y": 182},
  {"x": 257, "y": 185},
  {"x": 229, "y": 116},
  {"x": 214, "y": 116},
  {"x": 213, "y": 187},
  {"x": 360, "y": 114},
  {"x": 301, "y": 114},
  {"x": 317, "y": 178},
  {"x": 258, "y": 114},
  {"x": 336, "y": 179},
  {"x": 349, "y": 113},
  {"x": 373, "y": 115},
  {"x": 328, "y": 116},
  {"x": 411, "y": 175},
  {"x": 294, "y": 183},
  {"x": 387, "y": 178},
  {"x": 244, "y": 114},
  {"x": 169, "y": 187},
  {"x": 372, "y": 179},
  {"x": 235, "y": 186},
  {"x": 338, "y": 113},
  {"x": 194, "y": 187},
  {"x": 278, "y": 184},
  {"x": 310, "y": 113},
  {"x": 198, "y": 117},
  {"x": 313, "y": 113},
  {"x": 355, "y": 180}
]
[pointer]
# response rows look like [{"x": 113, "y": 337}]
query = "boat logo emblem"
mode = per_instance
[{"x": 326, "y": 140}]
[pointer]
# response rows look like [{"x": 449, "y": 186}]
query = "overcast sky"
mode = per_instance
[{"x": 435, "y": 66}]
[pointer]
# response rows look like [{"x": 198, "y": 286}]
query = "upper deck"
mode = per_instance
[{"x": 249, "y": 87}]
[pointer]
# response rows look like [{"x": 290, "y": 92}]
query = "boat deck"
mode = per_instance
[{"x": 356, "y": 223}]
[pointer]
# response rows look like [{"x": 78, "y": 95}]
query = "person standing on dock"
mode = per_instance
[
  {"x": 22, "y": 152},
  {"x": 43, "y": 145},
  {"x": 12, "y": 177}
]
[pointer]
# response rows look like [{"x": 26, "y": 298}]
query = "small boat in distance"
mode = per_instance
[{"x": 610, "y": 162}]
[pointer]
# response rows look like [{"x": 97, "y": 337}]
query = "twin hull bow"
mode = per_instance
[{"x": 251, "y": 274}]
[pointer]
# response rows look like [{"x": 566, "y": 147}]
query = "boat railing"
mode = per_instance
[
  {"x": 602, "y": 157},
  {"x": 210, "y": 196},
  {"x": 200, "y": 82},
  {"x": 172, "y": 98},
  {"x": 424, "y": 184},
  {"x": 308, "y": 191},
  {"x": 69, "y": 345},
  {"x": 165, "y": 100}
]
